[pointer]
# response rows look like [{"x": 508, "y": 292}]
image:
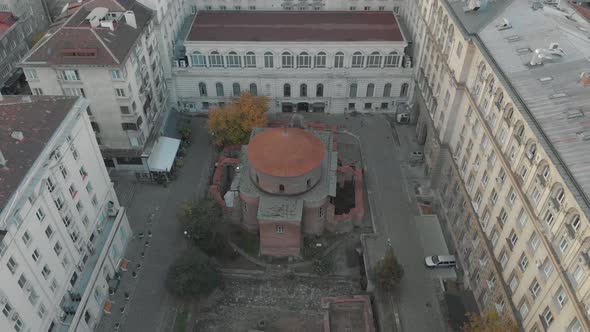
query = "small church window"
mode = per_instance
[
  {"x": 321, "y": 212},
  {"x": 280, "y": 229},
  {"x": 281, "y": 188}
]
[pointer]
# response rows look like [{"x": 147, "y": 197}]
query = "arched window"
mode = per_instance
[
  {"x": 202, "y": 89},
  {"x": 253, "y": 89},
  {"x": 236, "y": 89},
  {"x": 287, "y": 60},
  {"x": 481, "y": 70},
  {"x": 339, "y": 60},
  {"x": 546, "y": 172},
  {"x": 575, "y": 222},
  {"x": 268, "y": 60},
  {"x": 370, "y": 90},
  {"x": 219, "y": 89},
  {"x": 392, "y": 59},
  {"x": 250, "y": 60},
  {"x": 353, "y": 87},
  {"x": 374, "y": 60},
  {"x": 509, "y": 113},
  {"x": 303, "y": 90},
  {"x": 404, "y": 90},
  {"x": 320, "y": 60},
  {"x": 319, "y": 90},
  {"x": 358, "y": 59},
  {"x": 532, "y": 151},
  {"x": 520, "y": 132},
  {"x": 303, "y": 60},
  {"x": 387, "y": 90},
  {"x": 499, "y": 98},
  {"x": 559, "y": 195},
  {"x": 233, "y": 60},
  {"x": 215, "y": 59},
  {"x": 287, "y": 90},
  {"x": 281, "y": 188},
  {"x": 198, "y": 59}
]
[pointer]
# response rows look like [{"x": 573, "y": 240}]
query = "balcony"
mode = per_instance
[{"x": 89, "y": 272}]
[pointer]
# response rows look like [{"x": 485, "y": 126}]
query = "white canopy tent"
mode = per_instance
[{"x": 163, "y": 154}]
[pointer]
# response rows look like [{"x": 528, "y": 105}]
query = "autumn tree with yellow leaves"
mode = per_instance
[
  {"x": 489, "y": 321},
  {"x": 233, "y": 123}
]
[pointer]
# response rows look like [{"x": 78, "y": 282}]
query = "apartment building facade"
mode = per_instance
[
  {"x": 299, "y": 5},
  {"x": 504, "y": 136},
  {"x": 12, "y": 49},
  {"x": 32, "y": 13},
  {"x": 108, "y": 53},
  {"x": 64, "y": 230},
  {"x": 299, "y": 65}
]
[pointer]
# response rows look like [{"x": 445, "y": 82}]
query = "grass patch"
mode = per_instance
[
  {"x": 181, "y": 320},
  {"x": 247, "y": 241}
]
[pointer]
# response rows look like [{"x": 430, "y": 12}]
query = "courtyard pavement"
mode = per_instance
[{"x": 153, "y": 208}]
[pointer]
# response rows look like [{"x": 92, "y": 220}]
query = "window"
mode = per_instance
[
  {"x": 79, "y": 206},
  {"x": 49, "y": 232},
  {"x": 547, "y": 268},
  {"x": 287, "y": 90},
  {"x": 564, "y": 243},
  {"x": 404, "y": 90},
  {"x": 387, "y": 90},
  {"x": 370, "y": 90},
  {"x": 319, "y": 90},
  {"x": 215, "y": 59},
  {"x": 46, "y": 272},
  {"x": 116, "y": 74},
  {"x": 535, "y": 288},
  {"x": 381, "y": 8},
  {"x": 73, "y": 191},
  {"x": 12, "y": 265},
  {"x": 280, "y": 229},
  {"x": 513, "y": 284},
  {"x": 513, "y": 238},
  {"x": 26, "y": 238},
  {"x": 22, "y": 280},
  {"x": 511, "y": 196},
  {"x": 281, "y": 188},
  {"x": 251, "y": 7},
  {"x": 236, "y": 90},
  {"x": 128, "y": 126},
  {"x": 459, "y": 49},
  {"x": 374, "y": 60},
  {"x": 534, "y": 241},
  {"x": 286, "y": 60},
  {"x": 351, "y": 106},
  {"x": 494, "y": 238},
  {"x": 367, "y": 7},
  {"x": 120, "y": 92},
  {"x": 523, "y": 262},
  {"x": 42, "y": 311},
  {"x": 358, "y": 60},
  {"x": 303, "y": 60},
  {"x": 320, "y": 60},
  {"x": 384, "y": 106},
  {"x": 31, "y": 74},
  {"x": 303, "y": 90},
  {"x": 560, "y": 297},
  {"x": 76, "y": 92},
  {"x": 253, "y": 89},
  {"x": 95, "y": 127},
  {"x": 70, "y": 75},
  {"x": 219, "y": 89},
  {"x": 198, "y": 59},
  {"x": 392, "y": 59},
  {"x": 368, "y": 106},
  {"x": 268, "y": 60},
  {"x": 233, "y": 60},
  {"x": 548, "y": 218},
  {"x": 124, "y": 109},
  {"x": 94, "y": 200},
  {"x": 339, "y": 60},
  {"x": 57, "y": 248},
  {"x": 6, "y": 310},
  {"x": 250, "y": 60},
  {"x": 575, "y": 326},
  {"x": 547, "y": 317},
  {"x": 352, "y": 93},
  {"x": 36, "y": 255},
  {"x": 40, "y": 214},
  {"x": 523, "y": 309},
  {"x": 18, "y": 325},
  {"x": 503, "y": 259},
  {"x": 202, "y": 89},
  {"x": 53, "y": 286},
  {"x": 37, "y": 91},
  {"x": 575, "y": 223}
]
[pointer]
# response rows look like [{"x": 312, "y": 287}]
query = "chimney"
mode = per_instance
[{"x": 130, "y": 19}]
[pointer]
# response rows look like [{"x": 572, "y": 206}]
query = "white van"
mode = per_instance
[{"x": 440, "y": 261}]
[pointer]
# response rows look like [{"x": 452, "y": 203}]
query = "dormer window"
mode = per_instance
[{"x": 79, "y": 52}]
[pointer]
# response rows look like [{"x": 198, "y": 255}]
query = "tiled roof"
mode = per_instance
[
  {"x": 288, "y": 26},
  {"x": 75, "y": 32},
  {"x": 37, "y": 117},
  {"x": 7, "y": 20}
]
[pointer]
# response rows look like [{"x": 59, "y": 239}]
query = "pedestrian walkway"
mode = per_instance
[{"x": 152, "y": 209}]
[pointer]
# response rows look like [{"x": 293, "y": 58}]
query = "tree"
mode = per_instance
[
  {"x": 489, "y": 321},
  {"x": 192, "y": 274},
  {"x": 202, "y": 222},
  {"x": 232, "y": 124},
  {"x": 388, "y": 272}
]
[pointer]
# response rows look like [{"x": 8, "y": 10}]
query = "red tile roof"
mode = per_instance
[
  {"x": 37, "y": 117},
  {"x": 7, "y": 20},
  {"x": 314, "y": 26},
  {"x": 285, "y": 152},
  {"x": 584, "y": 11}
]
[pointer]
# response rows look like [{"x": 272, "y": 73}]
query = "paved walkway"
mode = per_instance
[{"x": 153, "y": 208}]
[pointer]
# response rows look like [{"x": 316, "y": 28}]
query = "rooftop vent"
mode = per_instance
[
  {"x": 472, "y": 6},
  {"x": 546, "y": 53},
  {"x": 17, "y": 135},
  {"x": 513, "y": 38},
  {"x": 505, "y": 25},
  {"x": 558, "y": 95},
  {"x": 585, "y": 79},
  {"x": 546, "y": 79}
]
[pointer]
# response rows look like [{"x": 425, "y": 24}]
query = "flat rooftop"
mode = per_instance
[
  {"x": 37, "y": 117},
  {"x": 295, "y": 26}
]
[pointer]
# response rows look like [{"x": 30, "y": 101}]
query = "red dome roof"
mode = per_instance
[{"x": 285, "y": 152}]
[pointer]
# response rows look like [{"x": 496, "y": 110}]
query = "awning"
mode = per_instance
[{"x": 163, "y": 154}]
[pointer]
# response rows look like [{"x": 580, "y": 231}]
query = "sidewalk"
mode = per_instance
[{"x": 153, "y": 208}]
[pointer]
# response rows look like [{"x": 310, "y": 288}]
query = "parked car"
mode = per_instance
[{"x": 440, "y": 261}]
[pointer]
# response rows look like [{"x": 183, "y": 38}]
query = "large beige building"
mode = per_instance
[{"x": 502, "y": 113}]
